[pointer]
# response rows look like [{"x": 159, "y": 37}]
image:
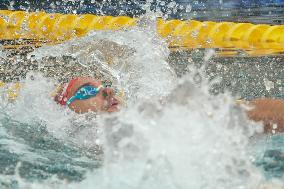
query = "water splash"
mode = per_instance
[
  {"x": 180, "y": 144},
  {"x": 168, "y": 146},
  {"x": 137, "y": 59},
  {"x": 173, "y": 134}
]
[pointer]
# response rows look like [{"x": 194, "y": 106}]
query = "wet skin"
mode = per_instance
[
  {"x": 104, "y": 101},
  {"x": 268, "y": 111}
]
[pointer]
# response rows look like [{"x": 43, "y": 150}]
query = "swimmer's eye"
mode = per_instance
[
  {"x": 105, "y": 94},
  {"x": 107, "y": 83}
]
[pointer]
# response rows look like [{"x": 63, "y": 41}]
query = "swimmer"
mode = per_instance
[{"x": 84, "y": 94}]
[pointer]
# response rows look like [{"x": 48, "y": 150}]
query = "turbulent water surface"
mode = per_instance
[{"x": 173, "y": 132}]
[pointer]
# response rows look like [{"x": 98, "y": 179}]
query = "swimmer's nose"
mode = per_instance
[{"x": 108, "y": 92}]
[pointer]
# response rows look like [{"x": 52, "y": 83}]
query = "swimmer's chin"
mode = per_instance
[
  {"x": 115, "y": 105},
  {"x": 113, "y": 108}
]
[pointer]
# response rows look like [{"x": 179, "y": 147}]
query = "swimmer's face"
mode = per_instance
[{"x": 104, "y": 101}]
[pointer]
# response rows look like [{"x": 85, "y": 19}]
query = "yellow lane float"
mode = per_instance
[{"x": 41, "y": 27}]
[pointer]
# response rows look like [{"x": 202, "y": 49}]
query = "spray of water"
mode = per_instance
[
  {"x": 173, "y": 134},
  {"x": 189, "y": 140},
  {"x": 193, "y": 141},
  {"x": 137, "y": 59}
]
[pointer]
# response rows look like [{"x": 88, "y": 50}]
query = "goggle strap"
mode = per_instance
[
  {"x": 71, "y": 100},
  {"x": 62, "y": 97}
]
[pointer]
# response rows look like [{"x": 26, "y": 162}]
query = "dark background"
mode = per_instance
[{"x": 256, "y": 11}]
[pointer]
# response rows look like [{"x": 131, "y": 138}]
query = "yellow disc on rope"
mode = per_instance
[
  {"x": 101, "y": 23},
  {"x": 165, "y": 28},
  {"x": 46, "y": 24},
  {"x": 253, "y": 36},
  {"x": 189, "y": 37},
  {"x": 31, "y": 24},
  {"x": 15, "y": 22},
  {"x": 63, "y": 28},
  {"x": 202, "y": 35},
  {"x": 271, "y": 37},
  {"x": 216, "y": 36},
  {"x": 281, "y": 40},
  {"x": 181, "y": 33},
  {"x": 4, "y": 19},
  {"x": 82, "y": 24},
  {"x": 2, "y": 27},
  {"x": 236, "y": 33},
  {"x": 5, "y": 13},
  {"x": 120, "y": 22}
]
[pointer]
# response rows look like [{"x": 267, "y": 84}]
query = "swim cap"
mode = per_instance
[{"x": 62, "y": 93}]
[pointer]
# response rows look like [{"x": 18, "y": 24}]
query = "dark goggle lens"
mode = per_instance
[{"x": 107, "y": 83}]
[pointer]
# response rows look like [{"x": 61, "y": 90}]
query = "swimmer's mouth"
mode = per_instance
[{"x": 114, "y": 103}]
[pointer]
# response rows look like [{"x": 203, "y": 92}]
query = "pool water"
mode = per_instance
[
  {"x": 180, "y": 127},
  {"x": 270, "y": 156}
]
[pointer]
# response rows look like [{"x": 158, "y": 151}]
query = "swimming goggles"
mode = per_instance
[
  {"x": 88, "y": 91},
  {"x": 85, "y": 92}
]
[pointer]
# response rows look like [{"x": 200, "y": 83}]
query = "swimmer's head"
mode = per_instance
[{"x": 104, "y": 100}]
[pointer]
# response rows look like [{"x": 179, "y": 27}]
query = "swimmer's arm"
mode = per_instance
[{"x": 270, "y": 112}]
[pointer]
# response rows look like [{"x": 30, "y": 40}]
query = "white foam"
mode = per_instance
[
  {"x": 138, "y": 59},
  {"x": 197, "y": 141},
  {"x": 194, "y": 140}
]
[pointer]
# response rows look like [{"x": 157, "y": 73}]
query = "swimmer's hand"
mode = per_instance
[{"x": 268, "y": 111}]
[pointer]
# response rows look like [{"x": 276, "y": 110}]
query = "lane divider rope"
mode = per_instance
[{"x": 189, "y": 34}]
